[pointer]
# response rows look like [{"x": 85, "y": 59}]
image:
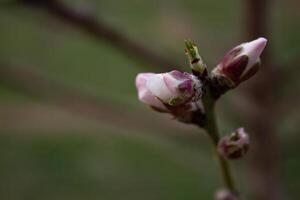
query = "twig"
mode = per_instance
[
  {"x": 207, "y": 113},
  {"x": 102, "y": 31},
  {"x": 211, "y": 128}
]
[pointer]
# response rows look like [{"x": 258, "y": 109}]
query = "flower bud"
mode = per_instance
[
  {"x": 240, "y": 63},
  {"x": 234, "y": 146},
  {"x": 174, "y": 88},
  {"x": 196, "y": 62},
  {"x": 225, "y": 194}
]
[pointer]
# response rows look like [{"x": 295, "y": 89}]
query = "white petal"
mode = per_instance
[
  {"x": 157, "y": 86},
  {"x": 144, "y": 94},
  {"x": 171, "y": 83},
  {"x": 141, "y": 80}
]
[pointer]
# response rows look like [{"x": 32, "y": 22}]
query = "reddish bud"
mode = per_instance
[
  {"x": 240, "y": 63},
  {"x": 234, "y": 146}
]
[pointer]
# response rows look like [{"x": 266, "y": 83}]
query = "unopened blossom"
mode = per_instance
[
  {"x": 173, "y": 89},
  {"x": 225, "y": 194},
  {"x": 235, "y": 145},
  {"x": 240, "y": 63}
]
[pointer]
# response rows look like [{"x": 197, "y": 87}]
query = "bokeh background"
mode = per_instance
[{"x": 71, "y": 126}]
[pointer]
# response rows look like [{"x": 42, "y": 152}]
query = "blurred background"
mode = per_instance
[{"x": 71, "y": 126}]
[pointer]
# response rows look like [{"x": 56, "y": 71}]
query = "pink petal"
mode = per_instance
[
  {"x": 253, "y": 50},
  {"x": 144, "y": 94},
  {"x": 171, "y": 83},
  {"x": 141, "y": 79}
]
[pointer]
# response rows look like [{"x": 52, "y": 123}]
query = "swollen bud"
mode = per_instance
[
  {"x": 167, "y": 90},
  {"x": 195, "y": 60},
  {"x": 224, "y": 194},
  {"x": 234, "y": 146},
  {"x": 240, "y": 63}
]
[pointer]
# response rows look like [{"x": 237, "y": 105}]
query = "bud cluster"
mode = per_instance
[
  {"x": 190, "y": 98},
  {"x": 179, "y": 93}
]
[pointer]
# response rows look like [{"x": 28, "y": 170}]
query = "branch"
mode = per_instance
[
  {"x": 35, "y": 84},
  {"x": 264, "y": 160},
  {"x": 101, "y": 31}
]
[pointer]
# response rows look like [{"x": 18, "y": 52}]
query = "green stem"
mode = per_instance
[
  {"x": 199, "y": 69},
  {"x": 212, "y": 130}
]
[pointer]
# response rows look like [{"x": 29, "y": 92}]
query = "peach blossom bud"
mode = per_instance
[
  {"x": 234, "y": 146},
  {"x": 173, "y": 88},
  {"x": 240, "y": 63}
]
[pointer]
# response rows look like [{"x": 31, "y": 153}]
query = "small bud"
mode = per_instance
[
  {"x": 225, "y": 194},
  {"x": 196, "y": 62},
  {"x": 240, "y": 63},
  {"x": 234, "y": 146},
  {"x": 165, "y": 90}
]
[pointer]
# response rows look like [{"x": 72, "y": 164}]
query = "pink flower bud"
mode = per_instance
[
  {"x": 173, "y": 88},
  {"x": 234, "y": 146},
  {"x": 241, "y": 63},
  {"x": 225, "y": 194},
  {"x": 144, "y": 94}
]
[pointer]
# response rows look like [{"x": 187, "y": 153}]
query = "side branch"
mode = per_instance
[{"x": 101, "y": 31}]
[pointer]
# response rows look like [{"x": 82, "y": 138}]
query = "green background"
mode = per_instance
[{"x": 130, "y": 152}]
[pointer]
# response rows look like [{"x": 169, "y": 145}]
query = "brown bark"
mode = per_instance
[{"x": 264, "y": 156}]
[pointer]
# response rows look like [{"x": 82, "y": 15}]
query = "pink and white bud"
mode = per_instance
[
  {"x": 241, "y": 63},
  {"x": 173, "y": 89},
  {"x": 235, "y": 145},
  {"x": 225, "y": 194}
]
